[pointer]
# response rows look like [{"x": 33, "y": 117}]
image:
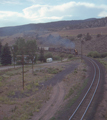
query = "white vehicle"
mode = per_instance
[{"x": 49, "y": 60}]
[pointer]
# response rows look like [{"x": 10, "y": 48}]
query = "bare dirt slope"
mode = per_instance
[{"x": 92, "y": 31}]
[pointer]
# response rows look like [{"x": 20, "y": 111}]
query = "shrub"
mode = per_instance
[
  {"x": 71, "y": 91},
  {"x": 53, "y": 118},
  {"x": 79, "y": 35},
  {"x": 88, "y": 37},
  {"x": 72, "y": 38},
  {"x": 56, "y": 58},
  {"x": 102, "y": 55},
  {"x": 36, "y": 84},
  {"x": 93, "y": 54},
  {"x": 48, "y": 55},
  {"x": 84, "y": 70},
  {"x": 53, "y": 70},
  {"x": 75, "y": 71},
  {"x": 70, "y": 56},
  {"x": 1, "y": 84},
  {"x": 98, "y": 35},
  {"x": 41, "y": 58}
]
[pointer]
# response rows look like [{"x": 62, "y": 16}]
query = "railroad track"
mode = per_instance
[{"x": 85, "y": 105}]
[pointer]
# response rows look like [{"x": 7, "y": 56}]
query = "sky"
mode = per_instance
[{"x": 20, "y": 12}]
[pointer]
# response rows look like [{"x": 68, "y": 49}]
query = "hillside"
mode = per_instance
[
  {"x": 55, "y": 26},
  {"x": 62, "y": 33},
  {"x": 98, "y": 44}
]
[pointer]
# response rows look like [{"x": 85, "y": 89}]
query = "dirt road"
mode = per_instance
[
  {"x": 57, "y": 96},
  {"x": 8, "y": 67}
]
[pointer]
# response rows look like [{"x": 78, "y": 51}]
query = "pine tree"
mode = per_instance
[
  {"x": 41, "y": 57},
  {"x": 6, "y": 55}
]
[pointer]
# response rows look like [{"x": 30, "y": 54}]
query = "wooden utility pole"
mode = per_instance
[
  {"x": 14, "y": 60},
  {"x": 13, "y": 53},
  {"x": 81, "y": 49},
  {"x": 32, "y": 63},
  {"x": 23, "y": 70}
]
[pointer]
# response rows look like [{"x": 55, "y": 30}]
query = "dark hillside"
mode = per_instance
[
  {"x": 7, "y": 31},
  {"x": 53, "y": 26}
]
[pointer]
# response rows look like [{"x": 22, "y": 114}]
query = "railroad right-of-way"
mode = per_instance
[{"x": 87, "y": 104}]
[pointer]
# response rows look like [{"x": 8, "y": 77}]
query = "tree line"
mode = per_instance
[
  {"x": 21, "y": 48},
  {"x": 5, "y": 54}
]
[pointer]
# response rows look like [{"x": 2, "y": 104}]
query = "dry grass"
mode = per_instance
[
  {"x": 25, "y": 108},
  {"x": 73, "y": 84},
  {"x": 92, "y": 31},
  {"x": 19, "y": 104},
  {"x": 75, "y": 80}
]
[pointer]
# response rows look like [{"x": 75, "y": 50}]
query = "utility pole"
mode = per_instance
[
  {"x": 23, "y": 70},
  {"x": 13, "y": 52},
  {"x": 81, "y": 49},
  {"x": 32, "y": 58}
]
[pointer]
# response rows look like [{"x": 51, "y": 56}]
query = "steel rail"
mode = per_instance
[
  {"x": 92, "y": 62},
  {"x": 93, "y": 93}
]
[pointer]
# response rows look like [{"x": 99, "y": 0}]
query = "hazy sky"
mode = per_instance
[{"x": 19, "y": 12}]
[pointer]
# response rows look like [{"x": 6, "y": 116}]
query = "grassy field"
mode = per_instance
[{"x": 19, "y": 104}]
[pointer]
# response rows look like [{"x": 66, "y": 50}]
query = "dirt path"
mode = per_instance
[
  {"x": 58, "y": 93},
  {"x": 57, "y": 96},
  {"x": 51, "y": 106},
  {"x": 8, "y": 67}
]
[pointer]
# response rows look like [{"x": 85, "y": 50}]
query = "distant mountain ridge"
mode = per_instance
[{"x": 60, "y": 25}]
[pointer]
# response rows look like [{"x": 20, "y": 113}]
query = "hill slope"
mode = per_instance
[
  {"x": 62, "y": 33},
  {"x": 53, "y": 26}
]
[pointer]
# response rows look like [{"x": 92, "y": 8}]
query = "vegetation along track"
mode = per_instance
[{"x": 88, "y": 102}]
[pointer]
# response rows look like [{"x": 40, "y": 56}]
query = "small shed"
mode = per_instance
[{"x": 49, "y": 60}]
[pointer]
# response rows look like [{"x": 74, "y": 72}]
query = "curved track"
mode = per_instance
[{"x": 85, "y": 104}]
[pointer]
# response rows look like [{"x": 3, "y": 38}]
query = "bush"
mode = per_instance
[
  {"x": 70, "y": 56},
  {"x": 71, "y": 91},
  {"x": 88, "y": 37},
  {"x": 41, "y": 58},
  {"x": 98, "y": 35},
  {"x": 93, "y": 54},
  {"x": 48, "y": 55},
  {"x": 56, "y": 58},
  {"x": 79, "y": 35},
  {"x": 102, "y": 55},
  {"x": 53, "y": 118},
  {"x": 53, "y": 70},
  {"x": 36, "y": 84},
  {"x": 72, "y": 38}
]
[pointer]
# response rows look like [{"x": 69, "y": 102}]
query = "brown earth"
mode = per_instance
[
  {"x": 92, "y": 31},
  {"x": 51, "y": 106},
  {"x": 58, "y": 97},
  {"x": 101, "y": 113},
  {"x": 18, "y": 104}
]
